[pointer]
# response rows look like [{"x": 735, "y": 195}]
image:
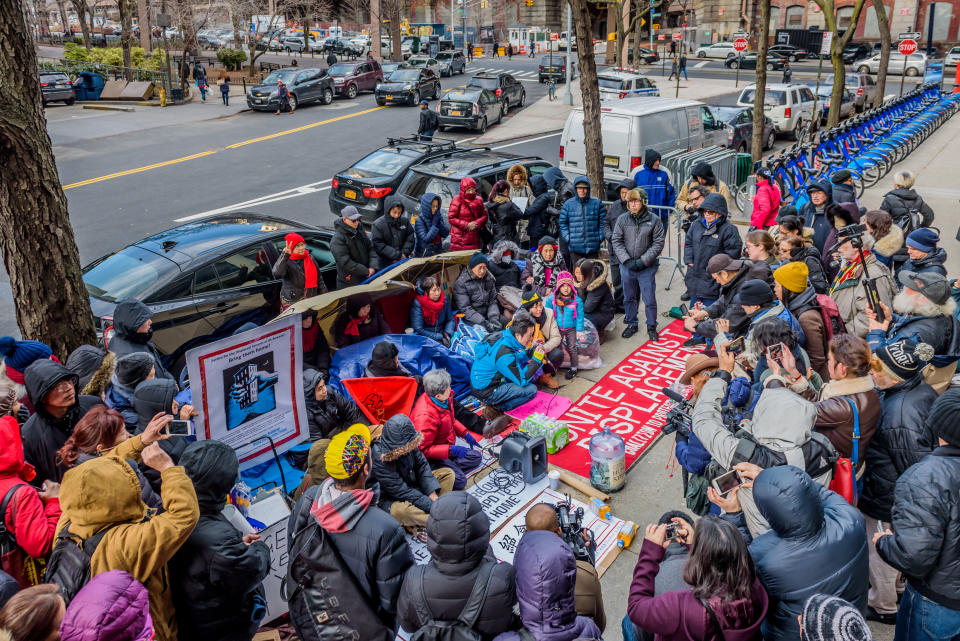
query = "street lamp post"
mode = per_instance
[{"x": 568, "y": 95}]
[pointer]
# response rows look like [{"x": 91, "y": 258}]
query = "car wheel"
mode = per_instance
[
  {"x": 70, "y": 101},
  {"x": 327, "y": 96},
  {"x": 701, "y": 54},
  {"x": 792, "y": 58},
  {"x": 769, "y": 66},
  {"x": 293, "y": 102},
  {"x": 523, "y": 99},
  {"x": 912, "y": 71},
  {"x": 416, "y": 97},
  {"x": 771, "y": 140},
  {"x": 504, "y": 108},
  {"x": 864, "y": 69},
  {"x": 352, "y": 91},
  {"x": 733, "y": 64},
  {"x": 482, "y": 126}
]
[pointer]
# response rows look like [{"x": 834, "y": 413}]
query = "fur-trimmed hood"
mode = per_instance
[
  {"x": 847, "y": 387},
  {"x": 514, "y": 170},
  {"x": 891, "y": 243},
  {"x": 503, "y": 246},
  {"x": 601, "y": 278},
  {"x": 100, "y": 379},
  {"x": 399, "y": 438}
]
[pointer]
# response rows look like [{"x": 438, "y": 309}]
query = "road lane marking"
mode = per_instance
[
  {"x": 521, "y": 142},
  {"x": 137, "y": 170},
  {"x": 236, "y": 145},
  {"x": 700, "y": 65},
  {"x": 294, "y": 192}
]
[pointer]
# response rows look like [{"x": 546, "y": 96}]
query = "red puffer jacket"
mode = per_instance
[
  {"x": 463, "y": 211},
  {"x": 438, "y": 426},
  {"x": 765, "y": 205},
  {"x": 32, "y": 520}
]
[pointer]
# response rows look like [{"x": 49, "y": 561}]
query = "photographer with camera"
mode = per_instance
[
  {"x": 588, "y": 594},
  {"x": 729, "y": 274},
  {"x": 860, "y": 274},
  {"x": 780, "y": 433}
]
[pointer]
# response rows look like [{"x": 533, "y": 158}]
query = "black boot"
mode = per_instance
[
  {"x": 629, "y": 331},
  {"x": 652, "y": 333},
  {"x": 685, "y": 296}
]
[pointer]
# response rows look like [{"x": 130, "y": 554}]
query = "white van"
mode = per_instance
[
  {"x": 789, "y": 106},
  {"x": 633, "y": 125}
]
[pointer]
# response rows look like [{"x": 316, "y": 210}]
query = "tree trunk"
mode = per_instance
[
  {"x": 64, "y": 19},
  {"x": 126, "y": 27},
  {"x": 589, "y": 93},
  {"x": 40, "y": 6},
  {"x": 756, "y": 143},
  {"x": 397, "y": 54},
  {"x": 885, "y": 39},
  {"x": 146, "y": 25},
  {"x": 836, "y": 53},
  {"x": 80, "y": 6},
  {"x": 36, "y": 239}
]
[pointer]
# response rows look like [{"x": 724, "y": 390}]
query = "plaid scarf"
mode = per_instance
[{"x": 850, "y": 271}]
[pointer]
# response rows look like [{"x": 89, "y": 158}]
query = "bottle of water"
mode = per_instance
[{"x": 608, "y": 462}]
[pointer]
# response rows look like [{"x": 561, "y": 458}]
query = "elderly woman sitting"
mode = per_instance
[{"x": 433, "y": 417}]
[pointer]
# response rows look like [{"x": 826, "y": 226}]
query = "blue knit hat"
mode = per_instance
[
  {"x": 924, "y": 239},
  {"x": 18, "y": 355},
  {"x": 477, "y": 259}
]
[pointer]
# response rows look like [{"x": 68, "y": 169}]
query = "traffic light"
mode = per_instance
[{"x": 529, "y": 3}]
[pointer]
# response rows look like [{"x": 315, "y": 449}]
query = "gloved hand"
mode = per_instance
[
  {"x": 457, "y": 451},
  {"x": 468, "y": 437},
  {"x": 636, "y": 264}
]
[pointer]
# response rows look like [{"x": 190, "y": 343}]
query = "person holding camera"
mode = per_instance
[
  {"x": 848, "y": 289},
  {"x": 729, "y": 275},
  {"x": 702, "y": 174}
]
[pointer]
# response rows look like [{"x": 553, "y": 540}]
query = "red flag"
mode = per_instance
[{"x": 381, "y": 397}]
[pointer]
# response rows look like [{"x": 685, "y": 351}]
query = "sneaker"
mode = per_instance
[
  {"x": 685, "y": 296},
  {"x": 548, "y": 381},
  {"x": 490, "y": 412},
  {"x": 571, "y": 374},
  {"x": 886, "y": 619},
  {"x": 629, "y": 331},
  {"x": 497, "y": 425},
  {"x": 694, "y": 341},
  {"x": 652, "y": 333}
]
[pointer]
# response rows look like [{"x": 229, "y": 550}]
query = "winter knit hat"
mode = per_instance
[
  {"x": 134, "y": 368},
  {"x": 565, "y": 277},
  {"x": 529, "y": 297},
  {"x": 754, "y": 292},
  {"x": 904, "y": 359},
  {"x": 923, "y": 239},
  {"x": 18, "y": 355},
  {"x": 828, "y": 618},
  {"x": 792, "y": 276},
  {"x": 477, "y": 259},
  {"x": 944, "y": 417},
  {"x": 547, "y": 240}
]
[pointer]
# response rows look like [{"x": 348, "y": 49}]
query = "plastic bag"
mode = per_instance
[
  {"x": 588, "y": 349},
  {"x": 465, "y": 339}
]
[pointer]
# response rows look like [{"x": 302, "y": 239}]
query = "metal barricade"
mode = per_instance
[{"x": 673, "y": 243}]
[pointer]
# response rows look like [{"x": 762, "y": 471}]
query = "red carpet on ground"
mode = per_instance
[{"x": 628, "y": 400}]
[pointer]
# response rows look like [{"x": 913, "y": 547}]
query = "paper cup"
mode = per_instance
[{"x": 554, "y": 477}]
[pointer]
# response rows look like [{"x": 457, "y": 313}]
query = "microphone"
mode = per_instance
[{"x": 673, "y": 396}]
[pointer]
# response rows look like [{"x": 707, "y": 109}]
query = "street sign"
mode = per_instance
[
  {"x": 906, "y": 47},
  {"x": 720, "y": 11},
  {"x": 554, "y": 36},
  {"x": 677, "y": 37},
  {"x": 909, "y": 35},
  {"x": 825, "y": 43},
  {"x": 741, "y": 34},
  {"x": 740, "y": 44},
  {"x": 661, "y": 36}
]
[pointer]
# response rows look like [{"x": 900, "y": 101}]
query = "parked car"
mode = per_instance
[
  {"x": 790, "y": 106},
  {"x": 624, "y": 82},
  {"x": 916, "y": 64},
  {"x": 366, "y": 183},
  {"x": 350, "y": 78},
  {"x": 470, "y": 107},
  {"x": 643, "y": 54},
  {"x": 341, "y": 47},
  {"x": 861, "y": 85},
  {"x": 451, "y": 62},
  {"x": 740, "y": 122},
  {"x": 424, "y": 62},
  {"x": 294, "y": 44},
  {"x": 855, "y": 51},
  {"x": 389, "y": 67},
  {"x": 791, "y": 52},
  {"x": 408, "y": 85},
  {"x": 847, "y": 101},
  {"x": 56, "y": 86},
  {"x": 503, "y": 85},
  {"x": 720, "y": 50},
  {"x": 226, "y": 35},
  {"x": 749, "y": 61},
  {"x": 953, "y": 57},
  {"x": 203, "y": 279},
  {"x": 442, "y": 175},
  {"x": 210, "y": 41},
  {"x": 305, "y": 84},
  {"x": 554, "y": 66}
]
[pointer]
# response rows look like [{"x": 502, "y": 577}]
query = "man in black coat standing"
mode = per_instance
[
  {"x": 924, "y": 543},
  {"x": 429, "y": 121},
  {"x": 392, "y": 234},
  {"x": 352, "y": 250},
  {"x": 132, "y": 327}
]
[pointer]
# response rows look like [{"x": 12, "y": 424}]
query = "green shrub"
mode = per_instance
[
  {"x": 232, "y": 59},
  {"x": 75, "y": 52}
]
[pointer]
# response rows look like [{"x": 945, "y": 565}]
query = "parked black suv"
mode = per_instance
[
  {"x": 55, "y": 85},
  {"x": 408, "y": 85},
  {"x": 442, "y": 175},
  {"x": 470, "y": 107},
  {"x": 305, "y": 84},
  {"x": 856, "y": 51},
  {"x": 369, "y": 180},
  {"x": 341, "y": 47},
  {"x": 503, "y": 85}
]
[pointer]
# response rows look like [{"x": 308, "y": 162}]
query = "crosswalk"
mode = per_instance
[{"x": 528, "y": 75}]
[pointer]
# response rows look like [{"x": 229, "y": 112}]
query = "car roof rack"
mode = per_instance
[{"x": 437, "y": 144}]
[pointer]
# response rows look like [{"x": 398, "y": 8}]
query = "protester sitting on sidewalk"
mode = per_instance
[
  {"x": 408, "y": 487},
  {"x": 729, "y": 274},
  {"x": 793, "y": 250},
  {"x": 710, "y": 235},
  {"x": 359, "y": 320},
  {"x": 545, "y": 330},
  {"x": 53, "y": 391},
  {"x": 467, "y": 217},
  {"x": 217, "y": 574},
  {"x": 505, "y": 272},
  {"x": 430, "y": 227},
  {"x": 316, "y": 350},
  {"x": 616, "y": 208},
  {"x": 888, "y": 238},
  {"x": 434, "y": 418},
  {"x": 581, "y": 222},
  {"x": 758, "y": 302},
  {"x": 924, "y": 254},
  {"x": 544, "y": 266},
  {"x": 924, "y": 540},
  {"x": 430, "y": 313},
  {"x": 588, "y": 594},
  {"x": 392, "y": 234},
  {"x": 113, "y": 606},
  {"x": 827, "y": 618},
  {"x": 906, "y": 207},
  {"x": 567, "y": 308},
  {"x": 593, "y": 289},
  {"x": 458, "y": 538},
  {"x": 848, "y": 290},
  {"x": 702, "y": 174},
  {"x": 328, "y": 411},
  {"x": 475, "y": 295},
  {"x": 297, "y": 271},
  {"x": 132, "y": 327},
  {"x": 504, "y": 370},
  {"x": 131, "y": 370},
  {"x": 655, "y": 182},
  {"x": 792, "y": 288},
  {"x": 352, "y": 250},
  {"x": 638, "y": 240}
]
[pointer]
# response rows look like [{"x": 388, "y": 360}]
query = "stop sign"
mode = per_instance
[
  {"x": 906, "y": 47},
  {"x": 740, "y": 44}
]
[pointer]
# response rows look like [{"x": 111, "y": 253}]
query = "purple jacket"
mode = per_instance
[
  {"x": 113, "y": 606},
  {"x": 546, "y": 574},
  {"x": 678, "y": 616}
]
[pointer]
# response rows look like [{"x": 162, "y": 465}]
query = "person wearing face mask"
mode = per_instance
[
  {"x": 297, "y": 271},
  {"x": 352, "y": 250},
  {"x": 132, "y": 326},
  {"x": 359, "y": 320},
  {"x": 392, "y": 234},
  {"x": 430, "y": 227},
  {"x": 467, "y": 216}
]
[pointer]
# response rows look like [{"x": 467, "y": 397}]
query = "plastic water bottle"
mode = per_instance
[
  {"x": 608, "y": 462},
  {"x": 625, "y": 534}
]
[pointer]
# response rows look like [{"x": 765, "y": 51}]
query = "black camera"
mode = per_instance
[
  {"x": 678, "y": 418},
  {"x": 571, "y": 530},
  {"x": 852, "y": 233}
]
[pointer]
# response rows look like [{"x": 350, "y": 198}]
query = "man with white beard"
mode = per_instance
[{"x": 923, "y": 313}]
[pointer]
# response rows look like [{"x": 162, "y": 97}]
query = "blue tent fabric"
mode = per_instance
[
  {"x": 268, "y": 474},
  {"x": 418, "y": 354}
]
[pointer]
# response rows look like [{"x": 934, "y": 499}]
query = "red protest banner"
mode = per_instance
[{"x": 628, "y": 400}]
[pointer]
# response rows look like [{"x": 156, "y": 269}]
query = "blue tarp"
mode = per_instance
[{"x": 418, "y": 354}]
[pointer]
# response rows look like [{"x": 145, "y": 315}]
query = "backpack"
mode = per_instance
[
  {"x": 17, "y": 563},
  {"x": 910, "y": 219},
  {"x": 462, "y": 628},
  {"x": 832, "y": 321},
  {"x": 69, "y": 564}
]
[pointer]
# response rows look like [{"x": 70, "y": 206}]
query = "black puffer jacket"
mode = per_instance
[
  {"x": 899, "y": 202},
  {"x": 331, "y": 416},
  {"x": 393, "y": 238},
  {"x": 700, "y": 246},
  {"x": 724, "y": 307},
  {"x": 932, "y": 262},
  {"x": 458, "y": 537},
  {"x": 925, "y": 545},
  {"x": 902, "y": 439},
  {"x": 476, "y": 298},
  {"x": 43, "y": 434},
  {"x": 502, "y": 216},
  {"x": 816, "y": 273},
  {"x": 598, "y": 302},
  {"x": 127, "y": 317},
  {"x": 149, "y": 399},
  {"x": 353, "y": 253},
  {"x": 400, "y": 467},
  {"x": 215, "y": 577}
]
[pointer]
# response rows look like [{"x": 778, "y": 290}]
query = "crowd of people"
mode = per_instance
[{"x": 827, "y": 339}]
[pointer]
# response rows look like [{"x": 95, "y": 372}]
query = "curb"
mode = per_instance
[
  {"x": 109, "y": 108},
  {"x": 536, "y": 134}
]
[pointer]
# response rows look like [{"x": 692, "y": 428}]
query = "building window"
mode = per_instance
[
  {"x": 941, "y": 20},
  {"x": 795, "y": 17},
  {"x": 844, "y": 15},
  {"x": 774, "y": 18}
]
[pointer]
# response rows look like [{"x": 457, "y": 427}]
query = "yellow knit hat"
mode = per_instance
[{"x": 793, "y": 276}]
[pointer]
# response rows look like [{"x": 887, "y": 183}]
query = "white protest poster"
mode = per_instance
[
  {"x": 520, "y": 202},
  {"x": 248, "y": 387}
]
